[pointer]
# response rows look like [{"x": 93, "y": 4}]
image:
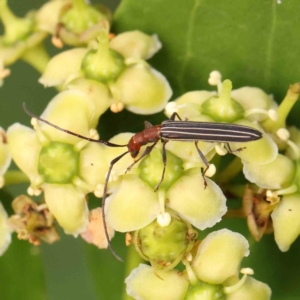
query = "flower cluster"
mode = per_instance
[{"x": 171, "y": 190}]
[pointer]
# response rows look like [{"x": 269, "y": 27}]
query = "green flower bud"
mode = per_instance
[
  {"x": 80, "y": 16},
  {"x": 151, "y": 168},
  {"x": 205, "y": 291},
  {"x": 223, "y": 108},
  {"x": 16, "y": 29},
  {"x": 58, "y": 163},
  {"x": 104, "y": 64},
  {"x": 165, "y": 246},
  {"x": 145, "y": 283}
]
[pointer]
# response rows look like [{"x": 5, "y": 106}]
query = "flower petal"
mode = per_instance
[
  {"x": 188, "y": 106},
  {"x": 70, "y": 110},
  {"x": 251, "y": 289},
  {"x": 97, "y": 92},
  {"x": 63, "y": 66},
  {"x": 275, "y": 175},
  {"x": 5, "y": 157},
  {"x": 219, "y": 256},
  {"x": 93, "y": 165},
  {"x": 145, "y": 284},
  {"x": 187, "y": 150},
  {"x": 202, "y": 207},
  {"x": 95, "y": 232},
  {"x": 68, "y": 205},
  {"x": 133, "y": 206},
  {"x": 5, "y": 231},
  {"x": 253, "y": 98},
  {"x": 142, "y": 89},
  {"x": 25, "y": 148},
  {"x": 267, "y": 147},
  {"x": 48, "y": 15},
  {"x": 136, "y": 44},
  {"x": 286, "y": 221}
]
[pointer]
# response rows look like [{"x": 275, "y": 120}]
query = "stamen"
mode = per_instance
[
  {"x": 81, "y": 184},
  {"x": 23, "y": 234},
  {"x": 94, "y": 134},
  {"x": 189, "y": 257},
  {"x": 294, "y": 148},
  {"x": 82, "y": 143},
  {"x": 272, "y": 197},
  {"x": 290, "y": 190},
  {"x": 41, "y": 136},
  {"x": 42, "y": 207},
  {"x": 34, "y": 191},
  {"x": 57, "y": 42},
  {"x": 215, "y": 78},
  {"x": 220, "y": 149},
  {"x": 283, "y": 134},
  {"x": 247, "y": 271},
  {"x": 117, "y": 107},
  {"x": 98, "y": 192},
  {"x": 190, "y": 273},
  {"x": 164, "y": 220},
  {"x": 211, "y": 171},
  {"x": 235, "y": 287},
  {"x": 272, "y": 114},
  {"x": 170, "y": 108}
]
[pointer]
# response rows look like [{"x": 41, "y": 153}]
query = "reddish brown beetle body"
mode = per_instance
[{"x": 148, "y": 135}]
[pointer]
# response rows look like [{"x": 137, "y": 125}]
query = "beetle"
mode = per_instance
[{"x": 169, "y": 130}]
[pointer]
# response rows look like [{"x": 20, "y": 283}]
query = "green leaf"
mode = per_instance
[
  {"x": 21, "y": 272},
  {"x": 253, "y": 43}
]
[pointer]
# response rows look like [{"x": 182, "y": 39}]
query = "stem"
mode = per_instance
[
  {"x": 79, "y": 4},
  {"x": 37, "y": 57},
  {"x": 283, "y": 110},
  {"x": 236, "y": 190},
  {"x": 225, "y": 93},
  {"x": 230, "y": 171},
  {"x": 235, "y": 213},
  {"x": 6, "y": 14},
  {"x": 132, "y": 261},
  {"x": 15, "y": 177}
]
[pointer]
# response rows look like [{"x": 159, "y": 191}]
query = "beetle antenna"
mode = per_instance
[
  {"x": 28, "y": 112},
  {"x": 112, "y": 163}
]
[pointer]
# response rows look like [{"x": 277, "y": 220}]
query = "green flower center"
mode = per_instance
[
  {"x": 151, "y": 168},
  {"x": 58, "y": 163}
]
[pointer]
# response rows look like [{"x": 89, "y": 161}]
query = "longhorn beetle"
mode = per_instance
[{"x": 169, "y": 130}]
